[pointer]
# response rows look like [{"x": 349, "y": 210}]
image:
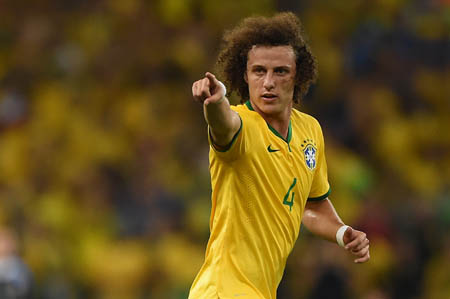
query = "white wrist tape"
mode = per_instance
[
  {"x": 224, "y": 88},
  {"x": 340, "y": 235}
]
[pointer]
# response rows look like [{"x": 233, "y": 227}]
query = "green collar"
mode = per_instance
[
  {"x": 289, "y": 137},
  {"x": 249, "y": 105}
]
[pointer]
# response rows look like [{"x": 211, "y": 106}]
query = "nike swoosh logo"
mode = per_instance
[{"x": 271, "y": 150}]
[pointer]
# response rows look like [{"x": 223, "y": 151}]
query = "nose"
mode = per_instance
[{"x": 269, "y": 82}]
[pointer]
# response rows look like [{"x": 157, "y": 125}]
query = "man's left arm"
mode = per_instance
[{"x": 321, "y": 219}]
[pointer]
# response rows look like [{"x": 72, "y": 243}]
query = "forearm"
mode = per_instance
[
  {"x": 223, "y": 121},
  {"x": 321, "y": 219}
]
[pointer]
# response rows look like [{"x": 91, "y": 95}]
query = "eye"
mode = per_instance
[
  {"x": 281, "y": 71},
  {"x": 259, "y": 70}
]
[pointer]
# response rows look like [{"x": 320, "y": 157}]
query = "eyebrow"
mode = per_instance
[
  {"x": 283, "y": 67},
  {"x": 286, "y": 66}
]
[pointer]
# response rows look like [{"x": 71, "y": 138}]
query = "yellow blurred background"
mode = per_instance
[{"x": 104, "y": 182}]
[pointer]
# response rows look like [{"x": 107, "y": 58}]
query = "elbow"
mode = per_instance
[{"x": 309, "y": 218}]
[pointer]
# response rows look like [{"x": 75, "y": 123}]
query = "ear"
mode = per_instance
[{"x": 245, "y": 77}]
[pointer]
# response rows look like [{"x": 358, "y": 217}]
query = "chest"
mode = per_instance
[{"x": 288, "y": 163}]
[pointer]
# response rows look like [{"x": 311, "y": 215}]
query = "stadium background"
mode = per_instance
[{"x": 104, "y": 178}]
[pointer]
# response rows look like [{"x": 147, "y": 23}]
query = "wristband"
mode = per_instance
[
  {"x": 340, "y": 235},
  {"x": 223, "y": 88}
]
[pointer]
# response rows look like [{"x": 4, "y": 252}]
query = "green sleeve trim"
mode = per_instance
[
  {"x": 225, "y": 148},
  {"x": 320, "y": 197}
]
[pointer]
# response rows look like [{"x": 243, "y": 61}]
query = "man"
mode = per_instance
[
  {"x": 15, "y": 276},
  {"x": 267, "y": 162}
]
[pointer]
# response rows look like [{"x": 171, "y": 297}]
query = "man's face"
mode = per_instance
[{"x": 270, "y": 77}]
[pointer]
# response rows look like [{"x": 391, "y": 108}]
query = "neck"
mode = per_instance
[{"x": 280, "y": 121}]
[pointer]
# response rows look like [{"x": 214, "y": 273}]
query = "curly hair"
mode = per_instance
[{"x": 280, "y": 30}]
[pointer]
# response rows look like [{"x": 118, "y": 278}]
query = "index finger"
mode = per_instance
[{"x": 212, "y": 79}]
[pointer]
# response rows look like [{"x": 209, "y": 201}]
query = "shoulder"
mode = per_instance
[
  {"x": 306, "y": 120},
  {"x": 238, "y": 108},
  {"x": 241, "y": 109},
  {"x": 245, "y": 113}
]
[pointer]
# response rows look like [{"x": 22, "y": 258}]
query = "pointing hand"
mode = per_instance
[{"x": 208, "y": 90}]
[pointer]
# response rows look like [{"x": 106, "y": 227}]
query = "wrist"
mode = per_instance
[
  {"x": 224, "y": 89},
  {"x": 221, "y": 100},
  {"x": 216, "y": 104},
  {"x": 340, "y": 235}
]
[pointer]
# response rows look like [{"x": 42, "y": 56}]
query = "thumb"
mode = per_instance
[{"x": 348, "y": 235}]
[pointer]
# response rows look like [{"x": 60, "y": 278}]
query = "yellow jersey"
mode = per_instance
[{"x": 260, "y": 185}]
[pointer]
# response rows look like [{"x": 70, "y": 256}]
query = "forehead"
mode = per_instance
[{"x": 271, "y": 56}]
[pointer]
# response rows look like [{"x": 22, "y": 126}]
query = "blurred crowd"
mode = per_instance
[{"x": 104, "y": 182}]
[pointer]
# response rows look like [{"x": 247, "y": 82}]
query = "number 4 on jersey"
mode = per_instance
[{"x": 291, "y": 202}]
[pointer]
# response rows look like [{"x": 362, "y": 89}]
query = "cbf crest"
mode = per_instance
[{"x": 309, "y": 151}]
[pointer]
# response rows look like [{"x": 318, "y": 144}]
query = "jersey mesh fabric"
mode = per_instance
[{"x": 260, "y": 186}]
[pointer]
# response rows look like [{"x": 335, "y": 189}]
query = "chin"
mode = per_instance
[{"x": 269, "y": 107}]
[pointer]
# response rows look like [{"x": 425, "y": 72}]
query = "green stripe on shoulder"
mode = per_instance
[{"x": 322, "y": 197}]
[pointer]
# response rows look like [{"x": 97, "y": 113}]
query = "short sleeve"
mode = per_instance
[
  {"x": 234, "y": 149},
  {"x": 320, "y": 188}
]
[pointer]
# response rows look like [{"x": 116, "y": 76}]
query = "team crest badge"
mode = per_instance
[{"x": 310, "y": 154}]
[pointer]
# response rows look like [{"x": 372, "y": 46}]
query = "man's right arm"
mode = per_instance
[{"x": 223, "y": 122}]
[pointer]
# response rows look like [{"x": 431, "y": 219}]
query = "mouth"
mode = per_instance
[{"x": 269, "y": 96}]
